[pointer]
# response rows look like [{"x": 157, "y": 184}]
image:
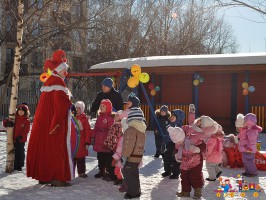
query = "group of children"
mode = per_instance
[
  {"x": 202, "y": 139},
  {"x": 119, "y": 139}
]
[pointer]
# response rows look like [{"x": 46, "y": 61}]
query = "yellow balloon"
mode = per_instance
[
  {"x": 245, "y": 85},
  {"x": 133, "y": 82},
  {"x": 196, "y": 82},
  {"x": 153, "y": 92},
  {"x": 135, "y": 70},
  {"x": 144, "y": 77},
  {"x": 44, "y": 76}
]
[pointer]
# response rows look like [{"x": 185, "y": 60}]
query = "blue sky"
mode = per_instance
[{"x": 249, "y": 28}]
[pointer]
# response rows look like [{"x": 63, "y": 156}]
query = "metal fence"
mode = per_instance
[{"x": 31, "y": 97}]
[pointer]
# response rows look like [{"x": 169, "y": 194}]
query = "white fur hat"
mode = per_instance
[
  {"x": 220, "y": 128},
  {"x": 81, "y": 105},
  {"x": 176, "y": 134},
  {"x": 239, "y": 120},
  {"x": 206, "y": 121}
]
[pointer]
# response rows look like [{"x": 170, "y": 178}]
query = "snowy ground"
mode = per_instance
[{"x": 18, "y": 186}]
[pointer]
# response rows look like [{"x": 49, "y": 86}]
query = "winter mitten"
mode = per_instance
[
  {"x": 192, "y": 108},
  {"x": 194, "y": 149},
  {"x": 73, "y": 110},
  {"x": 18, "y": 138},
  {"x": 10, "y": 123}
]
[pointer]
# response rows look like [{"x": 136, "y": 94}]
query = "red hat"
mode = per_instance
[
  {"x": 108, "y": 105},
  {"x": 23, "y": 107},
  {"x": 57, "y": 62}
]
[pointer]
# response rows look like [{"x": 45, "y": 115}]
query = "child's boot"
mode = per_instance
[
  {"x": 83, "y": 175},
  {"x": 197, "y": 193},
  {"x": 183, "y": 194}
]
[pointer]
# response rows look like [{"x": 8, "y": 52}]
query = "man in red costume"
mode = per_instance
[{"x": 49, "y": 150}]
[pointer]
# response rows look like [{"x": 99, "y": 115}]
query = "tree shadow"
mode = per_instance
[
  {"x": 169, "y": 185},
  {"x": 152, "y": 167}
]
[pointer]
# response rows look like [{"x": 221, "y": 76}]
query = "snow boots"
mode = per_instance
[
  {"x": 197, "y": 193},
  {"x": 183, "y": 194}
]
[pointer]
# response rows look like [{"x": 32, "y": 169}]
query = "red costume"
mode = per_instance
[{"x": 49, "y": 149}]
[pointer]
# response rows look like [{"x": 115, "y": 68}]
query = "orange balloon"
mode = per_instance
[
  {"x": 135, "y": 70},
  {"x": 44, "y": 76},
  {"x": 133, "y": 82},
  {"x": 153, "y": 92},
  {"x": 245, "y": 92}
]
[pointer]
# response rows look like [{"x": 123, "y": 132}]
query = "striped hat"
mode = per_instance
[{"x": 135, "y": 114}]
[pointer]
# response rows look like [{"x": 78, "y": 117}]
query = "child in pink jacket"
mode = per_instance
[
  {"x": 214, "y": 154},
  {"x": 190, "y": 151},
  {"x": 248, "y": 144},
  {"x": 112, "y": 141}
]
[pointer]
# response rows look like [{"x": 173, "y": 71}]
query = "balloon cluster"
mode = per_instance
[
  {"x": 198, "y": 79},
  {"x": 154, "y": 89},
  {"x": 44, "y": 76},
  {"x": 247, "y": 89},
  {"x": 137, "y": 76}
]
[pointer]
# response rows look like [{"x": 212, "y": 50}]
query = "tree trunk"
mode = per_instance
[{"x": 14, "y": 91}]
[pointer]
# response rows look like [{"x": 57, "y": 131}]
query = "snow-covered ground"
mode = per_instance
[{"x": 153, "y": 186}]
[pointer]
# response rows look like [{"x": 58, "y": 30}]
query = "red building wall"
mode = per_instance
[
  {"x": 215, "y": 97},
  {"x": 176, "y": 89},
  {"x": 215, "y": 93}
]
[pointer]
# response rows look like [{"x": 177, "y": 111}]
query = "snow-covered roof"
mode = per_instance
[{"x": 187, "y": 60}]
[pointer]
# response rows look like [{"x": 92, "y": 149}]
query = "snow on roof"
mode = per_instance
[{"x": 186, "y": 60}]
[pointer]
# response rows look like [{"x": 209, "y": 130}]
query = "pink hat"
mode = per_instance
[
  {"x": 250, "y": 117},
  {"x": 122, "y": 114},
  {"x": 176, "y": 134},
  {"x": 108, "y": 105}
]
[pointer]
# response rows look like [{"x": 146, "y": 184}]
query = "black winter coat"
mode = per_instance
[
  {"x": 164, "y": 123},
  {"x": 114, "y": 96}
]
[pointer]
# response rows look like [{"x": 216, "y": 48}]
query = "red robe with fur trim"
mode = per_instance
[{"x": 49, "y": 149}]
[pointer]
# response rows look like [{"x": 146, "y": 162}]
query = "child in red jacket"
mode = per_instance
[
  {"x": 21, "y": 130},
  {"x": 103, "y": 124},
  {"x": 80, "y": 151}
]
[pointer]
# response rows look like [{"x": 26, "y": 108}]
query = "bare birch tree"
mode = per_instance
[{"x": 14, "y": 91}]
